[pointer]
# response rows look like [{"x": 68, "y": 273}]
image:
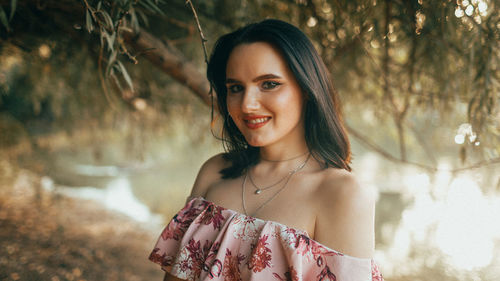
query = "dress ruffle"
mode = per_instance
[{"x": 204, "y": 241}]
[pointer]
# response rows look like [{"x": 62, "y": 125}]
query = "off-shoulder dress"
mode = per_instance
[{"x": 204, "y": 241}]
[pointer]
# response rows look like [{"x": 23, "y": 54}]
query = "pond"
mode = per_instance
[{"x": 438, "y": 226}]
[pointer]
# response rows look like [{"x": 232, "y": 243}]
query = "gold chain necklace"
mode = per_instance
[
  {"x": 258, "y": 190},
  {"x": 289, "y": 176}
]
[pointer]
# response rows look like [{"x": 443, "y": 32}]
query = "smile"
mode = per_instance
[
  {"x": 254, "y": 123},
  {"x": 258, "y": 120}
]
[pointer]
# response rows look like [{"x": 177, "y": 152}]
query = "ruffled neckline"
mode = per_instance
[{"x": 304, "y": 232}]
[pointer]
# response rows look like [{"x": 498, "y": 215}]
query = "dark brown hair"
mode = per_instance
[{"x": 325, "y": 134}]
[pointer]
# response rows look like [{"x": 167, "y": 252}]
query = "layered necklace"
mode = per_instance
[{"x": 258, "y": 190}]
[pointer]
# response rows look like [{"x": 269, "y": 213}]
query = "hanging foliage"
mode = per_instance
[{"x": 406, "y": 63}]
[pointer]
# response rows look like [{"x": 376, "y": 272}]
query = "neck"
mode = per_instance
[
  {"x": 279, "y": 162},
  {"x": 276, "y": 154}
]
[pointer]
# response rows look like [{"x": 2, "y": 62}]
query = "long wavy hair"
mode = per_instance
[{"x": 325, "y": 134}]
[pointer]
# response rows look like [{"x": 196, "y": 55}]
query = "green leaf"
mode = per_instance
[
  {"x": 113, "y": 55},
  {"x": 111, "y": 62},
  {"x": 90, "y": 26},
  {"x": 133, "y": 20},
  {"x": 13, "y": 4},
  {"x": 125, "y": 75},
  {"x": 151, "y": 6},
  {"x": 3, "y": 18},
  {"x": 128, "y": 5},
  {"x": 143, "y": 17},
  {"x": 112, "y": 59},
  {"x": 101, "y": 36},
  {"x": 117, "y": 81},
  {"x": 99, "y": 5},
  {"x": 107, "y": 18},
  {"x": 110, "y": 39},
  {"x": 113, "y": 37}
]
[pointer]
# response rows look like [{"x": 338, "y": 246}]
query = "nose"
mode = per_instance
[{"x": 250, "y": 102}]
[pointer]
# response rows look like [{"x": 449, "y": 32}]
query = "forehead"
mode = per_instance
[{"x": 253, "y": 59}]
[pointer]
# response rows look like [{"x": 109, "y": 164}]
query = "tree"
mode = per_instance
[{"x": 406, "y": 63}]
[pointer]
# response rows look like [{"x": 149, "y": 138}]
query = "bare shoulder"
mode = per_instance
[
  {"x": 343, "y": 187},
  {"x": 209, "y": 174},
  {"x": 347, "y": 209}
]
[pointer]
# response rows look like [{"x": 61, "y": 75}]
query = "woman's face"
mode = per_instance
[{"x": 263, "y": 97}]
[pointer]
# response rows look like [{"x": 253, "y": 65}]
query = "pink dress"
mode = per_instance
[{"x": 208, "y": 242}]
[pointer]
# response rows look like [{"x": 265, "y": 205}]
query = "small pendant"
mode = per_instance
[{"x": 258, "y": 191}]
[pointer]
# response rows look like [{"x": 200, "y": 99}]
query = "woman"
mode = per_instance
[{"x": 281, "y": 203}]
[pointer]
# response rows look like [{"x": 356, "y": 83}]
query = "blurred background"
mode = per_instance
[{"x": 105, "y": 121}]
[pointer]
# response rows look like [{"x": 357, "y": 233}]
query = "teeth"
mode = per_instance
[{"x": 258, "y": 120}]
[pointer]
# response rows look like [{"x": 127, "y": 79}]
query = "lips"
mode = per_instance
[{"x": 254, "y": 122}]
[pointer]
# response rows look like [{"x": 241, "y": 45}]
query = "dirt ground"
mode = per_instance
[{"x": 44, "y": 236}]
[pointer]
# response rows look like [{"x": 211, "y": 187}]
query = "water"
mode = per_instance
[
  {"x": 429, "y": 227},
  {"x": 116, "y": 196}
]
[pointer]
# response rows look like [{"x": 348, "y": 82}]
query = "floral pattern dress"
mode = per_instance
[{"x": 204, "y": 241}]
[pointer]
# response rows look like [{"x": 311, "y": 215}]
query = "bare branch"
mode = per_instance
[
  {"x": 368, "y": 143},
  {"x": 371, "y": 145},
  {"x": 202, "y": 36}
]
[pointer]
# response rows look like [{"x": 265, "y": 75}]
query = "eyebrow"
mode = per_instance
[{"x": 258, "y": 78}]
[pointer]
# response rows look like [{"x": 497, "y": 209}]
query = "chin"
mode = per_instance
[{"x": 257, "y": 142}]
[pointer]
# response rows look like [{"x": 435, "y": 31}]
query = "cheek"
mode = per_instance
[
  {"x": 291, "y": 105},
  {"x": 232, "y": 105},
  {"x": 234, "y": 110}
]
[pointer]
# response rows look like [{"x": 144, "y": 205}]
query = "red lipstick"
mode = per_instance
[{"x": 256, "y": 121}]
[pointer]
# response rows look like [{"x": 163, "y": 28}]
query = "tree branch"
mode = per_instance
[
  {"x": 202, "y": 36},
  {"x": 169, "y": 61},
  {"x": 371, "y": 145}
]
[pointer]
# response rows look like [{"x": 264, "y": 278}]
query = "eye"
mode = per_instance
[
  {"x": 269, "y": 85},
  {"x": 235, "y": 88}
]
